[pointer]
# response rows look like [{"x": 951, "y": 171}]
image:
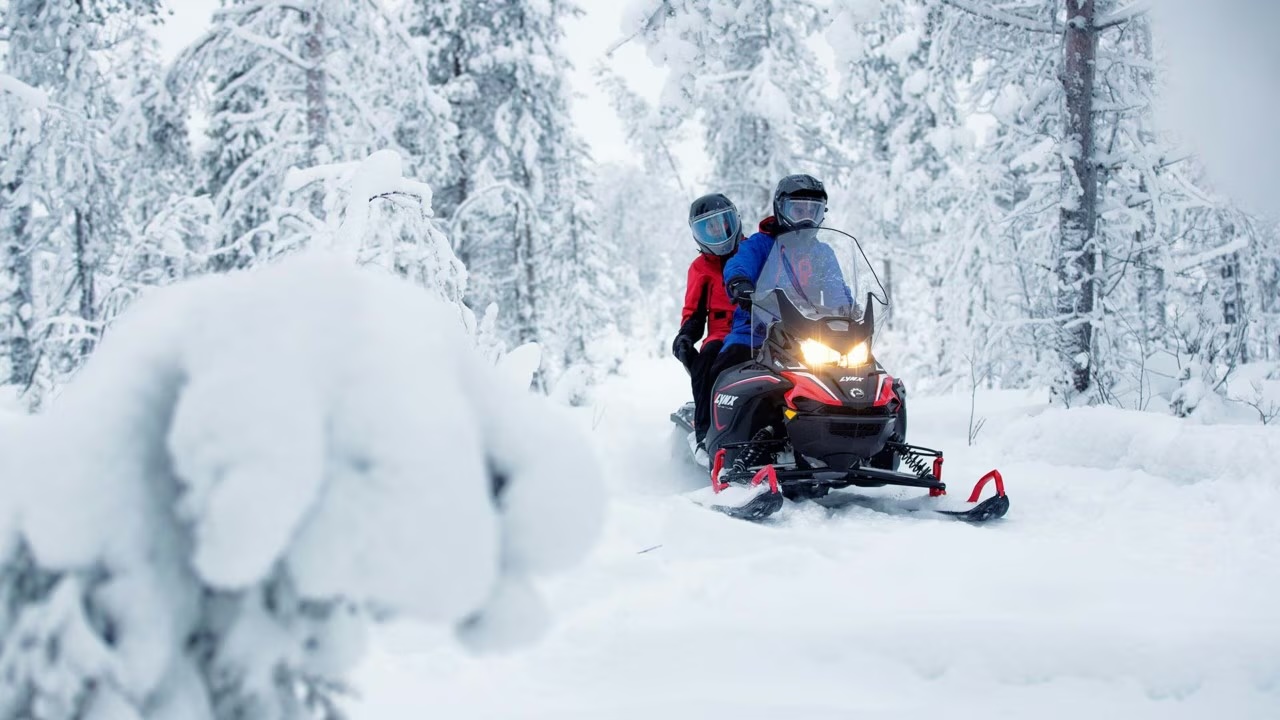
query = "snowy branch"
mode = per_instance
[
  {"x": 272, "y": 45},
  {"x": 649, "y": 23},
  {"x": 1002, "y": 17},
  {"x": 34, "y": 97},
  {"x": 499, "y": 187},
  {"x": 1186, "y": 263},
  {"x": 257, "y": 7},
  {"x": 1123, "y": 15}
]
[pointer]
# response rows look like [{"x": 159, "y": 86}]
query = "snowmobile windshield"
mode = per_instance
[{"x": 820, "y": 270}]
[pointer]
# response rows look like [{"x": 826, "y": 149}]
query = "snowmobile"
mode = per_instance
[{"x": 814, "y": 411}]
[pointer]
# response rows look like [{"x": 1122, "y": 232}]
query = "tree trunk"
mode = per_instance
[
  {"x": 15, "y": 270},
  {"x": 85, "y": 271},
  {"x": 526, "y": 278},
  {"x": 1151, "y": 282},
  {"x": 317, "y": 99},
  {"x": 1077, "y": 252}
]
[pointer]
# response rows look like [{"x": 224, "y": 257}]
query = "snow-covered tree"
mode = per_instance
[
  {"x": 1077, "y": 191},
  {"x": 250, "y": 471},
  {"x": 643, "y": 214},
  {"x": 901, "y": 122},
  {"x": 71, "y": 185},
  {"x": 294, "y": 85},
  {"x": 516, "y": 198},
  {"x": 746, "y": 72}
]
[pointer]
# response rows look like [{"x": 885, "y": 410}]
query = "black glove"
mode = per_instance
[
  {"x": 740, "y": 292},
  {"x": 684, "y": 351}
]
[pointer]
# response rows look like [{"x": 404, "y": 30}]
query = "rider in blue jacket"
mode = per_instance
[{"x": 799, "y": 204}]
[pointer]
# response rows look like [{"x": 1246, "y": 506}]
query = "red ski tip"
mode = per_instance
[{"x": 977, "y": 489}]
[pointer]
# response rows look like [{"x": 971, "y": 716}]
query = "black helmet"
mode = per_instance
[
  {"x": 715, "y": 224},
  {"x": 800, "y": 201}
]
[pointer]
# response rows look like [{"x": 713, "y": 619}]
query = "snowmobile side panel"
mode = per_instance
[{"x": 741, "y": 404}]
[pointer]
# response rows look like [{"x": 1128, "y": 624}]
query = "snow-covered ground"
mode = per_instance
[{"x": 1136, "y": 576}]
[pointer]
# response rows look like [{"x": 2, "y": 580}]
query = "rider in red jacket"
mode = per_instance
[{"x": 717, "y": 230}]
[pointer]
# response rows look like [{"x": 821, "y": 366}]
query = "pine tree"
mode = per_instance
[
  {"x": 293, "y": 85},
  {"x": 515, "y": 195},
  {"x": 745, "y": 70},
  {"x": 1087, "y": 198},
  {"x": 72, "y": 169}
]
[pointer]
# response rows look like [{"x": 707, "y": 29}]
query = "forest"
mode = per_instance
[
  {"x": 1037, "y": 223},
  {"x": 335, "y": 317}
]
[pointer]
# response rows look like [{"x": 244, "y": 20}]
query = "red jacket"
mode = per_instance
[{"x": 706, "y": 304}]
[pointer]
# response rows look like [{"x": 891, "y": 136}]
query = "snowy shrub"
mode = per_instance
[{"x": 249, "y": 470}]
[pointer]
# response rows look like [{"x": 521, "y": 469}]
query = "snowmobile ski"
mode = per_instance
[{"x": 740, "y": 501}]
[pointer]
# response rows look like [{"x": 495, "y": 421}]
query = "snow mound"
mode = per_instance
[
  {"x": 264, "y": 460},
  {"x": 1112, "y": 438}
]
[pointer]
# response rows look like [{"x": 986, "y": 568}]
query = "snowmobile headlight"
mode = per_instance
[
  {"x": 859, "y": 355},
  {"x": 816, "y": 353}
]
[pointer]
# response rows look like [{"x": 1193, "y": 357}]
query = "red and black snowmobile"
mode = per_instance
[{"x": 814, "y": 411}]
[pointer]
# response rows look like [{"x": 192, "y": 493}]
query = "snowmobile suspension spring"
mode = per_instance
[
  {"x": 749, "y": 456},
  {"x": 917, "y": 464}
]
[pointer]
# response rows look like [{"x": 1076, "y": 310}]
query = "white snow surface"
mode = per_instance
[
  {"x": 312, "y": 421},
  {"x": 1136, "y": 576}
]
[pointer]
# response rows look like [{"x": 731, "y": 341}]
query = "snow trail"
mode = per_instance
[{"x": 1106, "y": 592}]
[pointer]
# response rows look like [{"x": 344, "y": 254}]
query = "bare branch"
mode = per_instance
[{"x": 1002, "y": 17}]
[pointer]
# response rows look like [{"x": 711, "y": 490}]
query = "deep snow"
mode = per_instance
[{"x": 1129, "y": 580}]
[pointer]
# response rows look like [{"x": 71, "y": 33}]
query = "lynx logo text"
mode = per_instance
[{"x": 726, "y": 401}]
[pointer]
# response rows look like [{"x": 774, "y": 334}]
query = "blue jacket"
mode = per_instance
[{"x": 749, "y": 262}]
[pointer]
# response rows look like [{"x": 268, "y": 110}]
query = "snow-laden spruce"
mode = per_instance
[{"x": 252, "y": 466}]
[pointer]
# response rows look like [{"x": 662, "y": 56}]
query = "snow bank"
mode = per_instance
[
  {"x": 1165, "y": 446},
  {"x": 1104, "y": 594},
  {"x": 252, "y": 464}
]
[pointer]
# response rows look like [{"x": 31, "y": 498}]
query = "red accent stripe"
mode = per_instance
[
  {"x": 977, "y": 489},
  {"x": 806, "y": 386},
  {"x": 886, "y": 393}
]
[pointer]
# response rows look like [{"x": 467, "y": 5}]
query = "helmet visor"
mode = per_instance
[
  {"x": 716, "y": 232},
  {"x": 802, "y": 212}
]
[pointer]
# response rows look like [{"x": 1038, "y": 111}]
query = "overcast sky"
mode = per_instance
[{"x": 587, "y": 39}]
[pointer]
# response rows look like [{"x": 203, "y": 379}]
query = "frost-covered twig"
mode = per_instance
[
  {"x": 1002, "y": 17},
  {"x": 274, "y": 46},
  {"x": 1123, "y": 15}
]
